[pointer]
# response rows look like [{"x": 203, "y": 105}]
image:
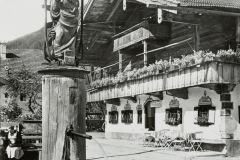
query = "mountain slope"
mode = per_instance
[{"x": 33, "y": 40}]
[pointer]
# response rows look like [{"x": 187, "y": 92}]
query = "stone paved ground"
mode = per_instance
[{"x": 129, "y": 150}]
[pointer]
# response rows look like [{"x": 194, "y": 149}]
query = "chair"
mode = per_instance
[
  {"x": 160, "y": 139},
  {"x": 179, "y": 141},
  {"x": 142, "y": 139},
  {"x": 188, "y": 137},
  {"x": 196, "y": 142},
  {"x": 171, "y": 137},
  {"x": 149, "y": 140}
]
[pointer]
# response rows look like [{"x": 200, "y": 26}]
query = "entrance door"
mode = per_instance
[{"x": 149, "y": 117}]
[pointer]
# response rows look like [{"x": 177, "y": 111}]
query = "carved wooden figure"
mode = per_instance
[{"x": 63, "y": 35}]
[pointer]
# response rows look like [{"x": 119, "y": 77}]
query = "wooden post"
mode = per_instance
[
  {"x": 64, "y": 100},
  {"x": 238, "y": 34},
  {"x": 196, "y": 38},
  {"x": 145, "y": 51},
  {"x": 120, "y": 61}
]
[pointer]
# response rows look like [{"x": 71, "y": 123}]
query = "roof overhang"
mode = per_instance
[{"x": 4, "y": 81}]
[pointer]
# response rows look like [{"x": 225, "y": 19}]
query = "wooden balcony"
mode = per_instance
[
  {"x": 209, "y": 75},
  {"x": 140, "y": 32}
]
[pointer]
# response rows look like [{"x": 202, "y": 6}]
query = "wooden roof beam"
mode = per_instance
[
  {"x": 190, "y": 10},
  {"x": 107, "y": 20}
]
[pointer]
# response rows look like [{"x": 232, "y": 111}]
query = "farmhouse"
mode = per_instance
[{"x": 165, "y": 65}]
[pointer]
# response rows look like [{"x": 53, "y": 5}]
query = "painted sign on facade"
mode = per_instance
[{"x": 156, "y": 104}]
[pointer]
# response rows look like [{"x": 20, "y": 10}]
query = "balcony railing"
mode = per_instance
[{"x": 212, "y": 72}]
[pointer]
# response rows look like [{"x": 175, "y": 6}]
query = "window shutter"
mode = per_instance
[
  {"x": 122, "y": 115},
  {"x": 211, "y": 115},
  {"x": 116, "y": 117},
  {"x": 195, "y": 115},
  {"x": 110, "y": 117},
  {"x": 131, "y": 117},
  {"x": 167, "y": 116},
  {"x": 179, "y": 116}
]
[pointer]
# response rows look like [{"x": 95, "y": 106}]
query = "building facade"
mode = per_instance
[{"x": 170, "y": 71}]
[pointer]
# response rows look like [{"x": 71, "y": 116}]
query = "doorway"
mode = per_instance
[{"x": 149, "y": 117}]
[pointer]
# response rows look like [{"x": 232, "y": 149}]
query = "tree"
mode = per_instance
[
  {"x": 27, "y": 84},
  {"x": 11, "y": 112},
  {"x": 97, "y": 107}
]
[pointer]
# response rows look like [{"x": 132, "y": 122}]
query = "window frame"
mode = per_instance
[
  {"x": 6, "y": 95},
  {"x": 203, "y": 115},
  {"x": 139, "y": 116},
  {"x": 111, "y": 115},
  {"x": 23, "y": 97},
  {"x": 127, "y": 116},
  {"x": 172, "y": 117}
]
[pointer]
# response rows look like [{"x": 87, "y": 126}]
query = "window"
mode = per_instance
[
  {"x": 204, "y": 115},
  {"x": 173, "y": 116},
  {"x": 127, "y": 116},
  {"x": 139, "y": 116},
  {"x": 22, "y": 97},
  {"x": 6, "y": 95},
  {"x": 113, "y": 117}
]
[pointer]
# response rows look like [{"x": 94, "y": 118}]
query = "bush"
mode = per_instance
[{"x": 12, "y": 111}]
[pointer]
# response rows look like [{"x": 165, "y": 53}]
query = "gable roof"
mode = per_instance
[
  {"x": 212, "y": 3},
  {"x": 31, "y": 58}
]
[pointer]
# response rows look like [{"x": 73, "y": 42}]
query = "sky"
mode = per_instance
[{"x": 20, "y": 17}]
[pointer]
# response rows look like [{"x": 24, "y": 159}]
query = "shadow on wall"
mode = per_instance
[{"x": 233, "y": 145}]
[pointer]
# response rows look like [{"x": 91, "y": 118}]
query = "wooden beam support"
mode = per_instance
[
  {"x": 115, "y": 101},
  {"x": 238, "y": 34},
  {"x": 168, "y": 46},
  {"x": 159, "y": 95},
  {"x": 220, "y": 88},
  {"x": 188, "y": 9},
  {"x": 107, "y": 20},
  {"x": 196, "y": 38},
  {"x": 120, "y": 60},
  {"x": 180, "y": 93},
  {"x": 102, "y": 27},
  {"x": 145, "y": 53},
  {"x": 133, "y": 99}
]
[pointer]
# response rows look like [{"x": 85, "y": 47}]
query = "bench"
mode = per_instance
[{"x": 32, "y": 144}]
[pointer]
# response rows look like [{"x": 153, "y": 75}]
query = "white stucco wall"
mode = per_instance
[
  {"x": 4, "y": 101},
  {"x": 187, "y": 126},
  {"x": 232, "y": 122}
]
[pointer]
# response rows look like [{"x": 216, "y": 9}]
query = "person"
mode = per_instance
[{"x": 14, "y": 142}]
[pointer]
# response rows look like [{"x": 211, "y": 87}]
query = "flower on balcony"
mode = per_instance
[
  {"x": 187, "y": 60},
  {"x": 141, "y": 72},
  {"x": 166, "y": 65},
  {"x": 122, "y": 76},
  {"x": 228, "y": 55},
  {"x": 115, "y": 80},
  {"x": 209, "y": 56},
  {"x": 159, "y": 64},
  {"x": 199, "y": 57},
  {"x": 152, "y": 69},
  {"x": 95, "y": 84},
  {"x": 106, "y": 82},
  {"x": 132, "y": 74},
  {"x": 176, "y": 63}
]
